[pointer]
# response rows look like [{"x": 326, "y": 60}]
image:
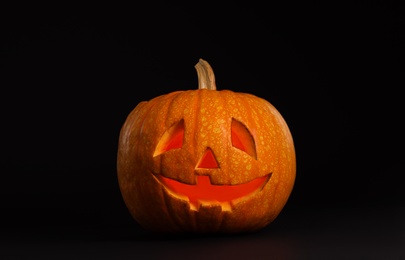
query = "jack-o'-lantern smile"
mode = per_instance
[{"x": 204, "y": 192}]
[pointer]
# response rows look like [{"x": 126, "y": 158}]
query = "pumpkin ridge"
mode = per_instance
[
  {"x": 170, "y": 108},
  {"x": 169, "y": 210},
  {"x": 167, "y": 125},
  {"x": 224, "y": 95},
  {"x": 196, "y": 124},
  {"x": 196, "y": 111},
  {"x": 248, "y": 115},
  {"x": 246, "y": 101},
  {"x": 150, "y": 105}
]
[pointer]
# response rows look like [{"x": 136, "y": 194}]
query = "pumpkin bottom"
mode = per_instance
[{"x": 158, "y": 208}]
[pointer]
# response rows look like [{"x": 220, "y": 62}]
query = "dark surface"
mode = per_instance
[
  {"x": 70, "y": 74},
  {"x": 339, "y": 233}
]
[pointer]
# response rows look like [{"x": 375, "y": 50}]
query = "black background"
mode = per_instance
[{"x": 70, "y": 74}]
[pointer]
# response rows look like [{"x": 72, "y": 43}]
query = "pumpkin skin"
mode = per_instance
[{"x": 206, "y": 138}]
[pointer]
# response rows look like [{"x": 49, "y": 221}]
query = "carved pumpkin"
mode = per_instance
[{"x": 205, "y": 160}]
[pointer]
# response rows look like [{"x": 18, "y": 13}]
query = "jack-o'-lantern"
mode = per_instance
[{"x": 205, "y": 160}]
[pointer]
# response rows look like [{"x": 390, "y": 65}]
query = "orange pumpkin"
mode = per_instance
[{"x": 205, "y": 160}]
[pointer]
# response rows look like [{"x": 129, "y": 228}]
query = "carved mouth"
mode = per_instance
[{"x": 203, "y": 192}]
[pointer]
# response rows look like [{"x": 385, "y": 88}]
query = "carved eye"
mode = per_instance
[
  {"x": 242, "y": 138},
  {"x": 171, "y": 139}
]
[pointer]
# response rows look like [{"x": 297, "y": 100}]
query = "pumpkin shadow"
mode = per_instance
[
  {"x": 202, "y": 246},
  {"x": 139, "y": 234}
]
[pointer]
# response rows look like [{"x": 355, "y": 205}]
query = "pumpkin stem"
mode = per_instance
[{"x": 206, "y": 78}]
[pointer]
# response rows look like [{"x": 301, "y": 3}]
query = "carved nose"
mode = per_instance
[{"x": 208, "y": 160}]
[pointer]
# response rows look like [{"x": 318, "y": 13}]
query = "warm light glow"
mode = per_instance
[
  {"x": 208, "y": 160},
  {"x": 242, "y": 138},
  {"x": 203, "y": 190},
  {"x": 171, "y": 139}
]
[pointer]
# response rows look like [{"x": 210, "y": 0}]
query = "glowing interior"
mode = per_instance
[
  {"x": 203, "y": 190},
  {"x": 242, "y": 138},
  {"x": 208, "y": 160},
  {"x": 171, "y": 139}
]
